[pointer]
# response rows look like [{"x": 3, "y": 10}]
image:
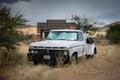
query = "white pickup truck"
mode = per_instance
[{"x": 65, "y": 43}]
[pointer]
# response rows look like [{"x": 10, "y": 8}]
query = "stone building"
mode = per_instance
[{"x": 43, "y": 28}]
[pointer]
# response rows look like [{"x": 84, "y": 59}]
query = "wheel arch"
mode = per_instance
[{"x": 74, "y": 54}]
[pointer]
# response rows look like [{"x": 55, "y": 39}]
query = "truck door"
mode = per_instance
[{"x": 82, "y": 43}]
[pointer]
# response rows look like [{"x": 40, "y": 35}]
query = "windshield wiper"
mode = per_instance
[
  {"x": 49, "y": 39},
  {"x": 61, "y": 39}
]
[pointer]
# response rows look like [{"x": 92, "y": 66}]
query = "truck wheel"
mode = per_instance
[
  {"x": 87, "y": 56},
  {"x": 74, "y": 59},
  {"x": 35, "y": 62},
  {"x": 95, "y": 52}
]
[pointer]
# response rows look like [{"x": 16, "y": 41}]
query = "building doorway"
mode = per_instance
[{"x": 45, "y": 34}]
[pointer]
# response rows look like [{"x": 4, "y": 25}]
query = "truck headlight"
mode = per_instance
[
  {"x": 65, "y": 52},
  {"x": 31, "y": 51},
  {"x": 35, "y": 52}
]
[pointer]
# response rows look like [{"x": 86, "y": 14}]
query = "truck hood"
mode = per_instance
[{"x": 56, "y": 43}]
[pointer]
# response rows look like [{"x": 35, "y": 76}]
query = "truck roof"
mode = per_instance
[{"x": 67, "y": 30}]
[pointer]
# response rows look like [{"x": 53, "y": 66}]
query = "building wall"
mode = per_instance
[{"x": 43, "y": 28}]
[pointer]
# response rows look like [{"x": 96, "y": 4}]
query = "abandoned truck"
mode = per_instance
[{"x": 67, "y": 44}]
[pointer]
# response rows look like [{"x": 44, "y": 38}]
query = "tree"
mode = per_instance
[
  {"x": 113, "y": 33},
  {"x": 9, "y": 36},
  {"x": 84, "y": 24}
]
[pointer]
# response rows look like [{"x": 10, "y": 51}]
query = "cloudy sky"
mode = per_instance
[{"x": 104, "y": 11}]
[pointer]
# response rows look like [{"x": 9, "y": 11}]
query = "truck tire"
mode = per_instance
[
  {"x": 74, "y": 59},
  {"x": 95, "y": 52},
  {"x": 35, "y": 62}
]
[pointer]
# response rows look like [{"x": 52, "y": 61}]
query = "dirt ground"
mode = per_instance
[{"x": 105, "y": 66}]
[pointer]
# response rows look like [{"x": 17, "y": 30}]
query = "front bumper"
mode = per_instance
[{"x": 48, "y": 57}]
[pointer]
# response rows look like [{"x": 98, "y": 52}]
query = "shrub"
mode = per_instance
[
  {"x": 113, "y": 33},
  {"x": 100, "y": 36},
  {"x": 9, "y": 36}
]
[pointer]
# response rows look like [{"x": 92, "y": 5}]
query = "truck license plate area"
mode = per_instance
[{"x": 46, "y": 57}]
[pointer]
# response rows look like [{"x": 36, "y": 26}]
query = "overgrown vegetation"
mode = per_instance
[
  {"x": 9, "y": 58},
  {"x": 84, "y": 24},
  {"x": 9, "y": 36},
  {"x": 113, "y": 33},
  {"x": 27, "y": 37},
  {"x": 93, "y": 68},
  {"x": 100, "y": 36}
]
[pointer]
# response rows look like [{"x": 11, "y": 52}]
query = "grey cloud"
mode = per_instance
[
  {"x": 40, "y": 10},
  {"x": 12, "y": 1}
]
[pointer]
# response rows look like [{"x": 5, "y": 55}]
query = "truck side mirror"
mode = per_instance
[{"x": 89, "y": 41}]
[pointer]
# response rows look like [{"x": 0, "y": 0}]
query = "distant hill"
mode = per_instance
[{"x": 106, "y": 27}]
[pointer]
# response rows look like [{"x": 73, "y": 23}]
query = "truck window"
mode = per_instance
[
  {"x": 81, "y": 36},
  {"x": 63, "y": 35}
]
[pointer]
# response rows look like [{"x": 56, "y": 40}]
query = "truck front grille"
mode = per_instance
[
  {"x": 47, "y": 55},
  {"x": 47, "y": 52}
]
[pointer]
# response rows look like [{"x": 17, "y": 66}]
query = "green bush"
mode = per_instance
[
  {"x": 113, "y": 33},
  {"x": 9, "y": 36}
]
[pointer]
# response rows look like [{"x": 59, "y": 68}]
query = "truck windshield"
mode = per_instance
[{"x": 63, "y": 35}]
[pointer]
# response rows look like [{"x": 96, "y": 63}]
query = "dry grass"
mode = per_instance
[
  {"x": 28, "y": 30},
  {"x": 105, "y": 66}
]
